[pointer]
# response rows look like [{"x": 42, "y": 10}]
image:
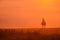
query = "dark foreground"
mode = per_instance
[{"x": 25, "y": 34}]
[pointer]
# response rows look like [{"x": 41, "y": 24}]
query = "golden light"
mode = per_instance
[{"x": 47, "y": 1}]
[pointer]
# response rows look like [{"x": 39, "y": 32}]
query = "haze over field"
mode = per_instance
[{"x": 28, "y": 13}]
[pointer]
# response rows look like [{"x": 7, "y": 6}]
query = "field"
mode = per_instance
[{"x": 30, "y": 34}]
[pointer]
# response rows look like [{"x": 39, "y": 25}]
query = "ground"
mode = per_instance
[{"x": 30, "y": 34}]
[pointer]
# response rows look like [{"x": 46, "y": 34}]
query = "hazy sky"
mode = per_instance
[{"x": 29, "y": 13}]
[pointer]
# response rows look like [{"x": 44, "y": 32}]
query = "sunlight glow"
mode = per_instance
[{"x": 47, "y": 1}]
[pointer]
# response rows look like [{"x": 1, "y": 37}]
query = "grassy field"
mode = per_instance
[{"x": 30, "y": 34}]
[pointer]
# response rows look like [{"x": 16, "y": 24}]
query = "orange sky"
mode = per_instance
[{"x": 28, "y": 13}]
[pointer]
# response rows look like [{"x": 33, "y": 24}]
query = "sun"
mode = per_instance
[{"x": 47, "y": 1}]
